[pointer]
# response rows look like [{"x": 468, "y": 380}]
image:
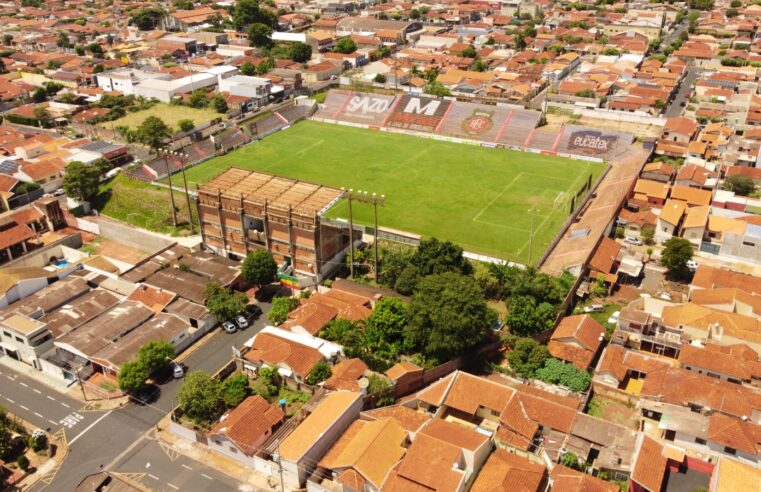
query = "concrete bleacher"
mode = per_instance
[
  {"x": 294, "y": 113},
  {"x": 475, "y": 121},
  {"x": 266, "y": 125}
]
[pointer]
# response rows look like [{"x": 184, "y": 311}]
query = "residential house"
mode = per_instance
[
  {"x": 651, "y": 193},
  {"x": 307, "y": 444},
  {"x": 507, "y": 471},
  {"x": 240, "y": 432},
  {"x": 577, "y": 339},
  {"x": 669, "y": 220},
  {"x": 24, "y": 339}
]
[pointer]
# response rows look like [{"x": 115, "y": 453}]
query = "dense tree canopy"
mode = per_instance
[
  {"x": 740, "y": 184},
  {"x": 527, "y": 356},
  {"x": 677, "y": 252},
  {"x": 448, "y": 315},
  {"x": 299, "y": 52},
  {"x": 153, "y": 132},
  {"x": 259, "y": 267},
  {"x": 565, "y": 374},
  {"x": 147, "y": 18},
  {"x": 235, "y": 389},
  {"x": 132, "y": 376},
  {"x": 527, "y": 317},
  {"x": 281, "y": 307},
  {"x": 156, "y": 355},
  {"x": 247, "y": 12},
  {"x": 260, "y": 35},
  {"x": 81, "y": 181},
  {"x": 223, "y": 303},
  {"x": 200, "y": 396},
  {"x": 346, "y": 46},
  {"x": 319, "y": 373}
]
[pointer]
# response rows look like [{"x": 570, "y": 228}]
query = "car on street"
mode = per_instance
[
  {"x": 178, "y": 371},
  {"x": 58, "y": 192},
  {"x": 633, "y": 240},
  {"x": 594, "y": 308},
  {"x": 241, "y": 322},
  {"x": 229, "y": 327},
  {"x": 692, "y": 265},
  {"x": 253, "y": 310}
]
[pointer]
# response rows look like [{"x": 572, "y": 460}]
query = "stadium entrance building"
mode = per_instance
[{"x": 241, "y": 211}]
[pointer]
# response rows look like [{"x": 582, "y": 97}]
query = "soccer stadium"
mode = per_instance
[{"x": 484, "y": 199}]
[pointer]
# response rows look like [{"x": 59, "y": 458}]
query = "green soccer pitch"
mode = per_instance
[{"x": 479, "y": 198}]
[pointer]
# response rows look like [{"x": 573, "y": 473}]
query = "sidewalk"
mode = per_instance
[
  {"x": 47, "y": 379},
  {"x": 202, "y": 454}
]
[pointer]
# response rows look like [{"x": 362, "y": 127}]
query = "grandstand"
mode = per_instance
[
  {"x": 294, "y": 113},
  {"x": 365, "y": 109},
  {"x": 501, "y": 125},
  {"x": 230, "y": 139},
  {"x": 420, "y": 114},
  {"x": 475, "y": 121},
  {"x": 267, "y": 125}
]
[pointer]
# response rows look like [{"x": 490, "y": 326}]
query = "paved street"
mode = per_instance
[
  {"x": 161, "y": 468},
  {"x": 118, "y": 440},
  {"x": 675, "y": 109}
]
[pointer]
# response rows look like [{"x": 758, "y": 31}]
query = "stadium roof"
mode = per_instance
[{"x": 278, "y": 191}]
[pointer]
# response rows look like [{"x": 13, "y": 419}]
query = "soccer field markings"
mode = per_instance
[{"x": 499, "y": 195}]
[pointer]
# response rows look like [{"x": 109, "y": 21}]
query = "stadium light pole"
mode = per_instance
[
  {"x": 182, "y": 156},
  {"x": 531, "y": 237},
  {"x": 171, "y": 189},
  {"x": 374, "y": 200}
]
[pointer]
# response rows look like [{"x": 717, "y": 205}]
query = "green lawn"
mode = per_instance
[
  {"x": 143, "y": 205},
  {"x": 168, "y": 113},
  {"x": 477, "y": 197}
]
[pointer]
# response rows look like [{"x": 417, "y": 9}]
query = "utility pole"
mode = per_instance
[
  {"x": 280, "y": 468},
  {"x": 171, "y": 190},
  {"x": 374, "y": 200}
]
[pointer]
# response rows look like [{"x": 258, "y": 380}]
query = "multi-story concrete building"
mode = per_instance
[{"x": 241, "y": 211}]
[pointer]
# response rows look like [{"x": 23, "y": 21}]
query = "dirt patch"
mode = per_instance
[
  {"x": 638, "y": 129},
  {"x": 613, "y": 411}
]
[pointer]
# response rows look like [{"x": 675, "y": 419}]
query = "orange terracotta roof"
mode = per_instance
[
  {"x": 505, "y": 471},
  {"x": 247, "y": 423},
  {"x": 650, "y": 468}
]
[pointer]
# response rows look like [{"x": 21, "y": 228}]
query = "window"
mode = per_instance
[
  {"x": 747, "y": 243},
  {"x": 700, "y": 440},
  {"x": 19, "y": 340},
  {"x": 729, "y": 450},
  {"x": 8, "y": 335}
]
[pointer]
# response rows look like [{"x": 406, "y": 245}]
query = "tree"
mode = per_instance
[
  {"x": 740, "y": 184},
  {"x": 264, "y": 67},
  {"x": 81, "y": 181},
  {"x": 219, "y": 103},
  {"x": 526, "y": 317},
  {"x": 200, "y": 396},
  {"x": 155, "y": 355},
  {"x": 300, "y": 52},
  {"x": 247, "y": 12},
  {"x": 565, "y": 374},
  {"x": 677, "y": 252},
  {"x": 380, "y": 78},
  {"x": 435, "y": 88},
  {"x": 147, "y": 18},
  {"x": 40, "y": 95},
  {"x": 7, "y": 39},
  {"x": 248, "y": 68},
  {"x": 319, "y": 373},
  {"x": 469, "y": 52},
  {"x": 414, "y": 14},
  {"x": 527, "y": 357},
  {"x": 79, "y": 50},
  {"x": 345, "y": 46},
  {"x": 63, "y": 41},
  {"x": 186, "y": 125},
  {"x": 259, "y": 267},
  {"x": 570, "y": 460},
  {"x": 198, "y": 99},
  {"x": 281, "y": 307},
  {"x": 23, "y": 462},
  {"x": 260, "y": 35},
  {"x": 95, "y": 49},
  {"x": 431, "y": 256},
  {"x": 267, "y": 381},
  {"x": 448, "y": 315},
  {"x": 342, "y": 331},
  {"x": 153, "y": 132},
  {"x": 234, "y": 390},
  {"x": 132, "y": 376},
  {"x": 387, "y": 322},
  {"x": 382, "y": 389},
  {"x": 224, "y": 304}
]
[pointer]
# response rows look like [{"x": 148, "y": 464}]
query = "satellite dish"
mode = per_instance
[{"x": 363, "y": 383}]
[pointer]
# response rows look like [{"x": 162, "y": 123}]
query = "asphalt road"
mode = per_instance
[
  {"x": 675, "y": 109},
  {"x": 107, "y": 439},
  {"x": 160, "y": 468}
]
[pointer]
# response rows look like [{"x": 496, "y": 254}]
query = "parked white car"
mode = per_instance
[
  {"x": 692, "y": 265},
  {"x": 633, "y": 240}
]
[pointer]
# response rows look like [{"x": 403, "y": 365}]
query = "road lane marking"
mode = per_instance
[
  {"x": 50, "y": 397},
  {"x": 39, "y": 415},
  {"x": 67, "y": 406},
  {"x": 52, "y": 422},
  {"x": 37, "y": 391},
  {"x": 90, "y": 426},
  {"x": 22, "y": 406},
  {"x": 185, "y": 466},
  {"x": 23, "y": 384},
  {"x": 173, "y": 486},
  {"x": 12, "y": 401},
  {"x": 153, "y": 476},
  {"x": 206, "y": 476},
  {"x": 9, "y": 377}
]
